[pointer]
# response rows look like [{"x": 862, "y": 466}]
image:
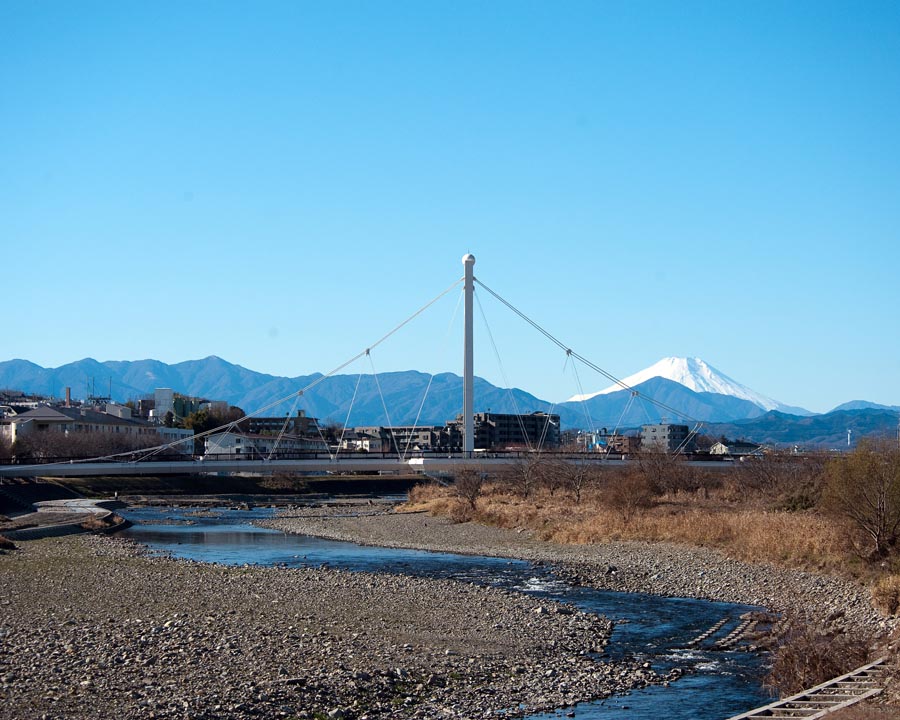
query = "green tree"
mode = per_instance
[
  {"x": 864, "y": 487},
  {"x": 203, "y": 421}
]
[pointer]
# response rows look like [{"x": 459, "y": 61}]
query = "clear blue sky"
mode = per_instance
[{"x": 280, "y": 183}]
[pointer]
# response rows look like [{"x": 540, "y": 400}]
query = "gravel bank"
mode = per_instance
[
  {"x": 657, "y": 568},
  {"x": 92, "y": 628}
]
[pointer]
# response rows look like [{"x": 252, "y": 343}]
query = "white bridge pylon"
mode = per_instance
[{"x": 468, "y": 359}]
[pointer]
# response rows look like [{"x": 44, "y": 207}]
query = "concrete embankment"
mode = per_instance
[{"x": 53, "y": 518}]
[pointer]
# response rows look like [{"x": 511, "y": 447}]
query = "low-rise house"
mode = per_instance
[
  {"x": 738, "y": 448},
  {"x": 360, "y": 440}
]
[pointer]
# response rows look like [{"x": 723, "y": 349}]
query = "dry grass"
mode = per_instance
[
  {"x": 798, "y": 539},
  {"x": 865, "y": 711},
  {"x": 95, "y": 522},
  {"x": 886, "y": 594},
  {"x": 6, "y": 543}
]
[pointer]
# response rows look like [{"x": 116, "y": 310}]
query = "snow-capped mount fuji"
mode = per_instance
[{"x": 699, "y": 376}]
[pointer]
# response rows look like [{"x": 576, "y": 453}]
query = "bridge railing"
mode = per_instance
[{"x": 352, "y": 455}]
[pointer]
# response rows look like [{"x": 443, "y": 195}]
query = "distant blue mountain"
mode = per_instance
[
  {"x": 330, "y": 398},
  {"x": 817, "y": 431},
  {"x": 865, "y": 405},
  {"x": 216, "y": 379}
]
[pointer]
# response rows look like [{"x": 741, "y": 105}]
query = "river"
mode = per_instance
[{"x": 716, "y": 683}]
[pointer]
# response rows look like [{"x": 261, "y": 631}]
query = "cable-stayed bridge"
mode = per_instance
[{"x": 170, "y": 459}]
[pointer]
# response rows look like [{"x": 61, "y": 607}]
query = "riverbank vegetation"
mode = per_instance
[{"x": 812, "y": 512}]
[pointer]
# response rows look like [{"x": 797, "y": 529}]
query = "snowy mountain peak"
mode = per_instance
[{"x": 694, "y": 374}]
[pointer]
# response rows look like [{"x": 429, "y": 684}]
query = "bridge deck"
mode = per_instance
[
  {"x": 322, "y": 464},
  {"x": 319, "y": 464}
]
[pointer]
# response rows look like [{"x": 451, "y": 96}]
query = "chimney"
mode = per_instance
[{"x": 68, "y": 397}]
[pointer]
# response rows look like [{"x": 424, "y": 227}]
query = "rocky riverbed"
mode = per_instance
[
  {"x": 90, "y": 627},
  {"x": 657, "y": 568}
]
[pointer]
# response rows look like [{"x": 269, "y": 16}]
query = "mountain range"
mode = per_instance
[{"x": 674, "y": 389}]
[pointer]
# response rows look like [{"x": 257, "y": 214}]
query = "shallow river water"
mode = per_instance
[{"x": 716, "y": 684}]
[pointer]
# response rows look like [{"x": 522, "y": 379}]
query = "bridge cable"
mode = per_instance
[
  {"x": 687, "y": 438},
  {"x": 384, "y": 406},
  {"x": 583, "y": 359},
  {"x": 543, "y": 436},
  {"x": 506, "y": 382},
  {"x": 321, "y": 437},
  {"x": 340, "y": 444},
  {"x": 584, "y": 406},
  {"x": 431, "y": 376},
  {"x": 631, "y": 397},
  {"x": 287, "y": 419}
]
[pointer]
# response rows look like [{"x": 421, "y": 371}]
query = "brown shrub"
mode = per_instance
[
  {"x": 95, "y": 523},
  {"x": 424, "y": 493},
  {"x": 459, "y": 511},
  {"x": 6, "y": 543},
  {"x": 783, "y": 477},
  {"x": 810, "y": 653},
  {"x": 611, "y": 509},
  {"x": 633, "y": 493}
]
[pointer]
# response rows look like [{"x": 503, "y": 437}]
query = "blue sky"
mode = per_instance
[{"x": 280, "y": 183}]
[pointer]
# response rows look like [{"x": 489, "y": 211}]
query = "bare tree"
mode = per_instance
[
  {"x": 553, "y": 474},
  {"x": 468, "y": 482},
  {"x": 795, "y": 479},
  {"x": 577, "y": 475},
  {"x": 524, "y": 475},
  {"x": 864, "y": 487},
  {"x": 631, "y": 493},
  {"x": 79, "y": 445},
  {"x": 663, "y": 472}
]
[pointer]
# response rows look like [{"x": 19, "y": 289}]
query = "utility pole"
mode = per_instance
[{"x": 468, "y": 357}]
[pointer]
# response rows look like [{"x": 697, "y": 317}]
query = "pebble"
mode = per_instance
[
  {"x": 656, "y": 568},
  {"x": 94, "y": 628}
]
